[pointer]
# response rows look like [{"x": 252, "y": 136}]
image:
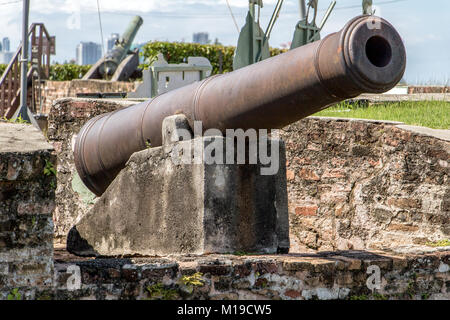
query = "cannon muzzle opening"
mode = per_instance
[
  {"x": 373, "y": 54},
  {"x": 378, "y": 51}
]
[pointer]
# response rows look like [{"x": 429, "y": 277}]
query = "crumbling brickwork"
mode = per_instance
[
  {"x": 65, "y": 120},
  {"x": 323, "y": 276},
  {"x": 355, "y": 184},
  {"x": 428, "y": 89},
  {"x": 27, "y": 193}
]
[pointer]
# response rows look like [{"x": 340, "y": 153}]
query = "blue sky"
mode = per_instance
[{"x": 423, "y": 25}]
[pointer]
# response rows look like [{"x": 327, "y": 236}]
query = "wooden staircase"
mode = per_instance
[{"x": 42, "y": 46}]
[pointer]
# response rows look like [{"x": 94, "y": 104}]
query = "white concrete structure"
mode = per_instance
[{"x": 162, "y": 77}]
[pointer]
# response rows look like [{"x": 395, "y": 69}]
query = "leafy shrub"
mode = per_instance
[
  {"x": 174, "y": 52},
  {"x": 61, "y": 72},
  {"x": 14, "y": 295},
  {"x": 221, "y": 57},
  {"x": 67, "y": 72},
  {"x": 2, "y": 69}
]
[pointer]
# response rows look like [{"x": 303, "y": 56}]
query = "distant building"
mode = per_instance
[
  {"x": 112, "y": 41},
  {"x": 201, "y": 38},
  {"x": 88, "y": 53},
  {"x": 6, "y": 44},
  {"x": 5, "y": 57}
]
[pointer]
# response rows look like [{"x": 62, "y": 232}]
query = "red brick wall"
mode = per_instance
[
  {"x": 61, "y": 89},
  {"x": 361, "y": 184},
  {"x": 428, "y": 89}
]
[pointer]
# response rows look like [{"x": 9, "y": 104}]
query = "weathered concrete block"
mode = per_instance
[{"x": 159, "y": 206}]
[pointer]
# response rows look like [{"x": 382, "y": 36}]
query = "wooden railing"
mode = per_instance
[{"x": 42, "y": 46}]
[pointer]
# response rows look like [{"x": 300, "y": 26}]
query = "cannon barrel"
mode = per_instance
[
  {"x": 120, "y": 50},
  {"x": 366, "y": 56}
]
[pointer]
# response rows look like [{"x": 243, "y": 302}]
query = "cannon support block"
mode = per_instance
[{"x": 157, "y": 206}]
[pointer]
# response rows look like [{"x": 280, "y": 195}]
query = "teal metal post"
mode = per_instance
[
  {"x": 251, "y": 46},
  {"x": 22, "y": 111},
  {"x": 367, "y": 7},
  {"x": 307, "y": 31}
]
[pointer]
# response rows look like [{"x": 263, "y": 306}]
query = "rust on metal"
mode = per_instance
[{"x": 366, "y": 56}]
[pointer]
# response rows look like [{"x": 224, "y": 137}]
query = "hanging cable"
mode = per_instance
[
  {"x": 232, "y": 16},
  {"x": 219, "y": 15},
  {"x": 273, "y": 19},
  {"x": 259, "y": 17},
  {"x": 9, "y": 2},
  {"x": 101, "y": 29},
  {"x": 101, "y": 32}
]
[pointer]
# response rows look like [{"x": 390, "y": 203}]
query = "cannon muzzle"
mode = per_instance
[{"x": 366, "y": 56}]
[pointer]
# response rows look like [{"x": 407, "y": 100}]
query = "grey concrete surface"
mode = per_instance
[{"x": 16, "y": 137}]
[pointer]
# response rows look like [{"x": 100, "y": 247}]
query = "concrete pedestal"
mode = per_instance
[{"x": 158, "y": 206}]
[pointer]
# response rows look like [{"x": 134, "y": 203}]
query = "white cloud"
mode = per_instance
[{"x": 67, "y": 6}]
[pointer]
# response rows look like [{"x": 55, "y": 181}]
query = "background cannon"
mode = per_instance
[
  {"x": 120, "y": 63},
  {"x": 367, "y": 55}
]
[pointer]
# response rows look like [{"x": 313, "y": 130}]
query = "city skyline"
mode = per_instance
[
  {"x": 200, "y": 37},
  {"x": 88, "y": 53},
  {"x": 6, "y": 44},
  {"x": 174, "y": 20},
  {"x": 5, "y": 51}
]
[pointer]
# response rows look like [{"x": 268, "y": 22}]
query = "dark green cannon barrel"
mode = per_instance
[
  {"x": 366, "y": 56},
  {"x": 121, "y": 48}
]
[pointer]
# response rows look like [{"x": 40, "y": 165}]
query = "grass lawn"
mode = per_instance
[{"x": 432, "y": 114}]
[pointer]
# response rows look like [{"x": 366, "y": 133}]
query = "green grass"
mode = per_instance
[
  {"x": 441, "y": 243},
  {"x": 432, "y": 114},
  {"x": 17, "y": 120}
]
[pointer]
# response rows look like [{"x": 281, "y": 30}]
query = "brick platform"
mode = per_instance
[{"x": 326, "y": 275}]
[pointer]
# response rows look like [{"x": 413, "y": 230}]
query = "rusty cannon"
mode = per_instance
[
  {"x": 366, "y": 56},
  {"x": 120, "y": 63}
]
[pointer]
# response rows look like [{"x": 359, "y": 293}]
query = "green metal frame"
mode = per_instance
[
  {"x": 367, "y": 7},
  {"x": 253, "y": 42},
  {"x": 307, "y": 31}
]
